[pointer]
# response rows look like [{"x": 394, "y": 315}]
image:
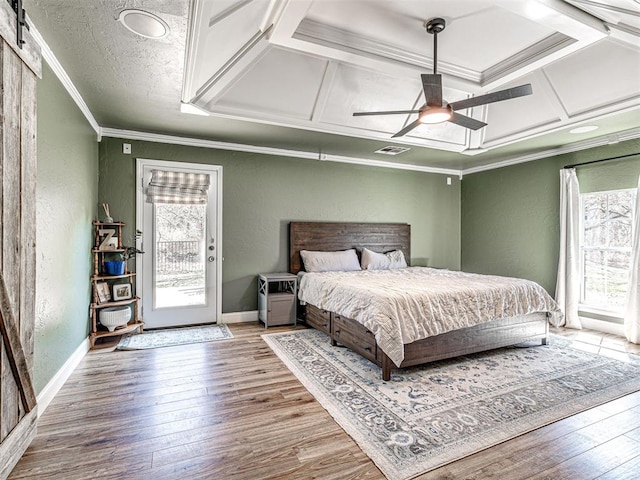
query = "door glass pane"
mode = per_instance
[{"x": 179, "y": 255}]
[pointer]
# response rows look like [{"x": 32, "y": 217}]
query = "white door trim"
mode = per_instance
[{"x": 141, "y": 163}]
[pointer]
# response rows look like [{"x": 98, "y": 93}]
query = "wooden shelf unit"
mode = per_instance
[{"x": 100, "y": 275}]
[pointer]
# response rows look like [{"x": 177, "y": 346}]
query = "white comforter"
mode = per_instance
[{"x": 408, "y": 304}]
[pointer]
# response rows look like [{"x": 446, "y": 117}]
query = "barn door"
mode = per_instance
[{"x": 19, "y": 68}]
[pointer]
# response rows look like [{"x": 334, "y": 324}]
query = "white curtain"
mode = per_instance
[
  {"x": 568, "y": 285},
  {"x": 632, "y": 313}
]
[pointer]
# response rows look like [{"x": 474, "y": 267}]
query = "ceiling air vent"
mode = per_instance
[{"x": 390, "y": 150}]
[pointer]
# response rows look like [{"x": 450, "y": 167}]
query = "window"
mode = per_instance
[{"x": 606, "y": 249}]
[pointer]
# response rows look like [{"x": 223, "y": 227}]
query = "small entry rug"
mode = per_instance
[
  {"x": 174, "y": 336},
  {"x": 428, "y": 416}
]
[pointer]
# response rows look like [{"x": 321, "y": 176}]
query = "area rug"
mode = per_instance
[
  {"x": 174, "y": 336},
  {"x": 428, "y": 416}
]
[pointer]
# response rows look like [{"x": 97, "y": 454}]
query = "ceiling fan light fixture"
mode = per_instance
[
  {"x": 436, "y": 109},
  {"x": 435, "y": 115},
  {"x": 144, "y": 23}
]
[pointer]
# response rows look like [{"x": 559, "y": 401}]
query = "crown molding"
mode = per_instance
[
  {"x": 517, "y": 63},
  {"x": 326, "y": 35},
  {"x": 239, "y": 147},
  {"x": 573, "y": 147},
  {"x": 64, "y": 78},
  {"x": 611, "y": 8},
  {"x": 301, "y": 154}
]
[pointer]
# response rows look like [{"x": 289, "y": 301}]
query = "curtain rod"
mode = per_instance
[{"x": 599, "y": 161}]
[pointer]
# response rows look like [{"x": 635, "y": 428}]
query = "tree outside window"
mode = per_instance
[{"x": 606, "y": 248}]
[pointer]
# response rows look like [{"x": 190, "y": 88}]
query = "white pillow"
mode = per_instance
[
  {"x": 382, "y": 261},
  {"x": 344, "y": 260}
]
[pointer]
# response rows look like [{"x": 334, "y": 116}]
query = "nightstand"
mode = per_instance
[{"x": 277, "y": 298}]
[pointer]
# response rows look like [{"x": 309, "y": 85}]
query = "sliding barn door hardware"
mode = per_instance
[{"x": 21, "y": 22}]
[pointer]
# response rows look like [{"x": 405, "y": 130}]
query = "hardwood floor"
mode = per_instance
[{"x": 231, "y": 410}]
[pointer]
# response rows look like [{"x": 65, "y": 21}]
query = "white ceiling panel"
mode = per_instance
[
  {"x": 225, "y": 27},
  {"x": 466, "y": 45},
  {"x": 602, "y": 76},
  {"x": 354, "y": 89},
  {"x": 515, "y": 117},
  {"x": 280, "y": 83}
]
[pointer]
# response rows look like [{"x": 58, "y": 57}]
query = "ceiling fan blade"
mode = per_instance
[
  {"x": 432, "y": 86},
  {"x": 466, "y": 122},
  {"x": 387, "y": 112},
  {"x": 407, "y": 129},
  {"x": 499, "y": 96}
]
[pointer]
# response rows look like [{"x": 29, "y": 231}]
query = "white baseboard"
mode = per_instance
[
  {"x": 55, "y": 384},
  {"x": 602, "y": 326},
  {"x": 240, "y": 317}
]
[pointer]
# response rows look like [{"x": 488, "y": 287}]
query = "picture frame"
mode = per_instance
[
  {"x": 103, "y": 292},
  {"x": 121, "y": 291}
]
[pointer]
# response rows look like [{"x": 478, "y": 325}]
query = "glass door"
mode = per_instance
[
  {"x": 179, "y": 263},
  {"x": 180, "y": 267}
]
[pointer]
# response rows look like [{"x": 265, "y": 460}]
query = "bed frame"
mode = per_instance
[{"x": 384, "y": 237}]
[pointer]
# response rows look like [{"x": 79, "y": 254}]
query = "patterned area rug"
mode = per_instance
[
  {"x": 428, "y": 416},
  {"x": 174, "y": 336}
]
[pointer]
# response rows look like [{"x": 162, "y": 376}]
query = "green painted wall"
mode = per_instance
[
  {"x": 510, "y": 219},
  {"x": 262, "y": 193},
  {"x": 66, "y": 202},
  {"x": 610, "y": 175}
]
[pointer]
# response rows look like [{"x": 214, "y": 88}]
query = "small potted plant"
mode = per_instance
[
  {"x": 130, "y": 252},
  {"x": 115, "y": 267},
  {"x": 119, "y": 265}
]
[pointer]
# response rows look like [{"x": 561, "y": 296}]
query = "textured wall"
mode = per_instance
[
  {"x": 610, "y": 175},
  {"x": 262, "y": 193},
  {"x": 510, "y": 220},
  {"x": 66, "y": 200}
]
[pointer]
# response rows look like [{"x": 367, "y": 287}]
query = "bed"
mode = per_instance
[{"x": 349, "y": 326}]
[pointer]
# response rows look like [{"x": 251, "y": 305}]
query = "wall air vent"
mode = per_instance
[{"x": 391, "y": 150}]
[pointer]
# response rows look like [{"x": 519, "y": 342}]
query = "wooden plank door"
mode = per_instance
[{"x": 19, "y": 69}]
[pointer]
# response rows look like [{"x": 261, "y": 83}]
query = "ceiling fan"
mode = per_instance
[{"x": 435, "y": 110}]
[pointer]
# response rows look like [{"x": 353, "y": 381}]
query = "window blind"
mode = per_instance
[{"x": 178, "y": 187}]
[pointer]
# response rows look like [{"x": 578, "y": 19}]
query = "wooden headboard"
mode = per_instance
[{"x": 332, "y": 236}]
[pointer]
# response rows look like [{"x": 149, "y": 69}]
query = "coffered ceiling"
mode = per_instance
[{"x": 290, "y": 73}]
